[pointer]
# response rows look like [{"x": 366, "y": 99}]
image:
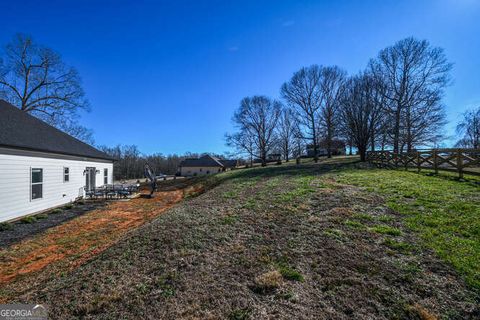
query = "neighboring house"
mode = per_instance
[
  {"x": 338, "y": 148},
  {"x": 204, "y": 165},
  {"x": 42, "y": 167}
]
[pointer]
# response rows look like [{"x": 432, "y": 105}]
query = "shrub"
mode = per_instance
[
  {"x": 4, "y": 226},
  {"x": 41, "y": 216},
  {"x": 68, "y": 206},
  {"x": 56, "y": 211},
  {"x": 28, "y": 219}
]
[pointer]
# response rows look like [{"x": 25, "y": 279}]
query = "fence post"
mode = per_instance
[
  {"x": 460, "y": 163},
  {"x": 435, "y": 163},
  {"x": 418, "y": 161}
]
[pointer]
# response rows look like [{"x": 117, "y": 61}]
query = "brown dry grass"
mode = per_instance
[{"x": 71, "y": 244}]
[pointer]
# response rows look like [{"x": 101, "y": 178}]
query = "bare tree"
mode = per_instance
[
  {"x": 332, "y": 84},
  {"x": 257, "y": 118},
  {"x": 36, "y": 80},
  {"x": 469, "y": 127},
  {"x": 304, "y": 94},
  {"x": 415, "y": 74},
  {"x": 361, "y": 110},
  {"x": 243, "y": 143},
  {"x": 287, "y": 130},
  {"x": 130, "y": 161}
]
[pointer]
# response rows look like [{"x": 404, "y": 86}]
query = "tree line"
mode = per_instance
[
  {"x": 396, "y": 102},
  {"x": 130, "y": 161}
]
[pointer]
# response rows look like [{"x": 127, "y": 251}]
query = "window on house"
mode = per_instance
[
  {"x": 37, "y": 183},
  {"x": 208, "y": 171},
  {"x": 200, "y": 169},
  {"x": 105, "y": 176},
  {"x": 66, "y": 174}
]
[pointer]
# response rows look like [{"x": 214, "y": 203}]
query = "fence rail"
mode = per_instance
[{"x": 462, "y": 161}]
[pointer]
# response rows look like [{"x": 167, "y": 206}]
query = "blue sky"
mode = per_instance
[{"x": 167, "y": 76}]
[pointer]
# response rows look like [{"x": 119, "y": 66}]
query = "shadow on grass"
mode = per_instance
[{"x": 307, "y": 168}]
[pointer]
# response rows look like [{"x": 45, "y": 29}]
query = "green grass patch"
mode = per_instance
[
  {"x": 240, "y": 314},
  {"x": 385, "y": 218},
  {"x": 400, "y": 246},
  {"x": 441, "y": 209},
  {"x": 231, "y": 219},
  {"x": 353, "y": 224},
  {"x": 230, "y": 195},
  {"x": 250, "y": 204},
  {"x": 386, "y": 229},
  {"x": 334, "y": 234},
  {"x": 290, "y": 273}
]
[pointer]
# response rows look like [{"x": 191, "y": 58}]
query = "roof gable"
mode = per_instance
[
  {"x": 204, "y": 161},
  {"x": 18, "y": 129}
]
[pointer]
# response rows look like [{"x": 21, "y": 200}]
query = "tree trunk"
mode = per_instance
[
  {"x": 396, "y": 136},
  {"x": 363, "y": 153},
  {"x": 315, "y": 151},
  {"x": 329, "y": 147},
  {"x": 373, "y": 141}
]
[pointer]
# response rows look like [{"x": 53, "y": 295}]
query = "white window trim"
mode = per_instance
[
  {"x": 105, "y": 170},
  {"x": 65, "y": 181},
  {"x": 36, "y": 183}
]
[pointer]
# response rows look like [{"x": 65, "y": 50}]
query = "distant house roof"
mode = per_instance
[
  {"x": 204, "y": 161},
  {"x": 208, "y": 161},
  {"x": 228, "y": 163},
  {"x": 20, "y": 130}
]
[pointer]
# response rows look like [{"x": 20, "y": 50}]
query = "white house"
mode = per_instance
[
  {"x": 42, "y": 167},
  {"x": 205, "y": 165}
]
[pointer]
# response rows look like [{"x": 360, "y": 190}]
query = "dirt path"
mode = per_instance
[{"x": 69, "y": 245}]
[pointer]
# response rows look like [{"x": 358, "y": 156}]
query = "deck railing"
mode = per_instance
[{"x": 462, "y": 161}]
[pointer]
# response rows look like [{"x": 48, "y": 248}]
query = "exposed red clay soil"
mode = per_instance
[{"x": 71, "y": 244}]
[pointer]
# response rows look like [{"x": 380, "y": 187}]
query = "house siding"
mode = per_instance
[
  {"x": 199, "y": 171},
  {"x": 15, "y": 192}
]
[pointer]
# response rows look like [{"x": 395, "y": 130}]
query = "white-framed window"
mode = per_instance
[
  {"x": 66, "y": 174},
  {"x": 36, "y": 178},
  {"x": 105, "y": 176}
]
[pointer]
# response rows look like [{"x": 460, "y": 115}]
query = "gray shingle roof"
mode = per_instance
[
  {"x": 205, "y": 161},
  {"x": 23, "y": 131},
  {"x": 228, "y": 163}
]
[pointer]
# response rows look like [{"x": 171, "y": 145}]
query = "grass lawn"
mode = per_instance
[
  {"x": 443, "y": 211},
  {"x": 333, "y": 240}
]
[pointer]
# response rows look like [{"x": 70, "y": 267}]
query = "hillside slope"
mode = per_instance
[{"x": 288, "y": 242}]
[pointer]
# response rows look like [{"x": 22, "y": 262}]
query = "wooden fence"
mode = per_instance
[{"x": 463, "y": 161}]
